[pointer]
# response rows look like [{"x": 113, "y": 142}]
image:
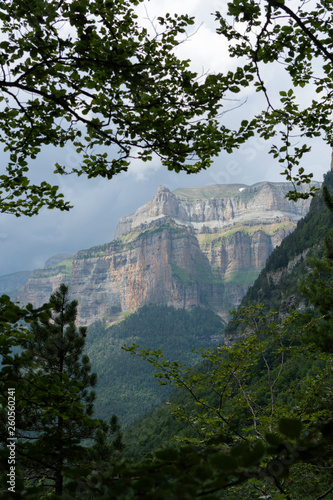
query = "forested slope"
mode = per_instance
[
  {"x": 126, "y": 385},
  {"x": 278, "y": 284},
  {"x": 277, "y": 288}
]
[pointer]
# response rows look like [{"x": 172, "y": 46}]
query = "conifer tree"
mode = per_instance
[{"x": 55, "y": 401}]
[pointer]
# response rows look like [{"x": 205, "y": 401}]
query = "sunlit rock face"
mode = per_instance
[
  {"x": 217, "y": 207},
  {"x": 190, "y": 247}
]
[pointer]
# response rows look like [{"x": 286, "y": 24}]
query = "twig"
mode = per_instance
[{"x": 323, "y": 495}]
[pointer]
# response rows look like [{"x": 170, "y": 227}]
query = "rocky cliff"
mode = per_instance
[
  {"x": 278, "y": 284},
  {"x": 218, "y": 207},
  {"x": 196, "y": 246}
]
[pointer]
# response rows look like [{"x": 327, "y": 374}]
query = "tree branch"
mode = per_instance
[
  {"x": 306, "y": 30},
  {"x": 323, "y": 495}
]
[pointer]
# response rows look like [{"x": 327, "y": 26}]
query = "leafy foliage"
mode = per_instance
[
  {"x": 85, "y": 74},
  {"x": 12, "y": 319},
  {"x": 191, "y": 473},
  {"x": 298, "y": 37},
  {"x": 276, "y": 380},
  {"x": 318, "y": 288},
  {"x": 247, "y": 396},
  {"x": 263, "y": 427},
  {"x": 259, "y": 411}
]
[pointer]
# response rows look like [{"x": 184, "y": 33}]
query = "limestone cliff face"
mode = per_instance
[
  {"x": 41, "y": 284},
  {"x": 139, "y": 271},
  {"x": 200, "y": 246},
  {"x": 217, "y": 207},
  {"x": 163, "y": 264}
]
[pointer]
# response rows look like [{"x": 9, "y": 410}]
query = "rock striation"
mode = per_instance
[
  {"x": 186, "y": 248},
  {"x": 217, "y": 207}
]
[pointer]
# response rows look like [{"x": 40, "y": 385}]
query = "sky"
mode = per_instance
[{"x": 27, "y": 243}]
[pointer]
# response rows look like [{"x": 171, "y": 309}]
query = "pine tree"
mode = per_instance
[{"x": 55, "y": 401}]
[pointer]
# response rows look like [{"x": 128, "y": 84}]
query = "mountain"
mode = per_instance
[
  {"x": 277, "y": 288},
  {"x": 55, "y": 260},
  {"x": 278, "y": 284},
  {"x": 11, "y": 283},
  {"x": 188, "y": 248},
  {"x": 211, "y": 209}
]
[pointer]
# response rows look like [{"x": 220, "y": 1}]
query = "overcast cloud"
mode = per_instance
[{"x": 28, "y": 242}]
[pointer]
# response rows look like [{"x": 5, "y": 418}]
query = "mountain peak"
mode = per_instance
[
  {"x": 193, "y": 247},
  {"x": 162, "y": 189},
  {"x": 57, "y": 259},
  {"x": 218, "y": 206}
]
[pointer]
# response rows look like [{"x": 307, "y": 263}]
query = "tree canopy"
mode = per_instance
[
  {"x": 299, "y": 39},
  {"x": 85, "y": 74},
  {"x": 49, "y": 383}
]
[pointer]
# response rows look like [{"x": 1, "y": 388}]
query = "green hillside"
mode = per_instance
[
  {"x": 251, "y": 418},
  {"x": 241, "y": 391},
  {"x": 126, "y": 385},
  {"x": 278, "y": 284}
]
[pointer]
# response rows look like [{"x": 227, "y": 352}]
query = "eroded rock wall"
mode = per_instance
[{"x": 194, "y": 247}]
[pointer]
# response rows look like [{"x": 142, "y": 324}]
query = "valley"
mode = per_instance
[{"x": 196, "y": 379}]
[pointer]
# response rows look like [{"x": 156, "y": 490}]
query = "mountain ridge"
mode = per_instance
[
  {"x": 277, "y": 288},
  {"x": 234, "y": 204},
  {"x": 278, "y": 284},
  {"x": 180, "y": 251}
]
